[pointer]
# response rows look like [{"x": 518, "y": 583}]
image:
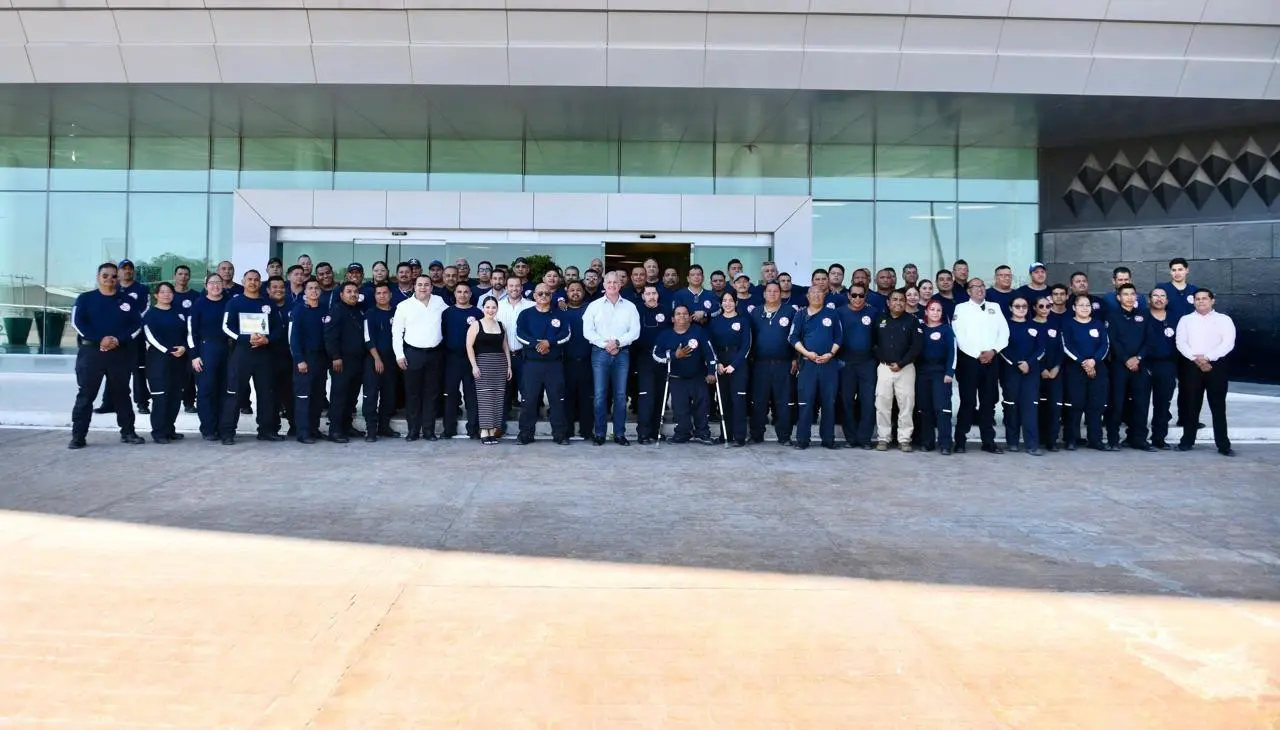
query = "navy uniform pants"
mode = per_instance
[
  {"x": 1050, "y": 410},
  {"x": 650, "y": 385},
  {"x": 141, "y": 395},
  {"x": 816, "y": 388},
  {"x": 539, "y": 376},
  {"x": 380, "y": 393},
  {"x": 346, "y": 389},
  {"x": 579, "y": 396},
  {"x": 459, "y": 386},
  {"x": 1021, "y": 404},
  {"x": 211, "y": 386},
  {"x": 92, "y": 367},
  {"x": 733, "y": 399},
  {"x": 1164, "y": 377},
  {"x": 689, "y": 401},
  {"x": 1129, "y": 401},
  {"x": 858, "y": 401},
  {"x": 249, "y": 364},
  {"x": 166, "y": 376},
  {"x": 933, "y": 399},
  {"x": 282, "y": 382},
  {"x": 771, "y": 384},
  {"x": 979, "y": 389},
  {"x": 308, "y": 394},
  {"x": 1086, "y": 397}
]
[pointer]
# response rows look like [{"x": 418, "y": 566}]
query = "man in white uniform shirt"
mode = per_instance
[
  {"x": 509, "y": 310},
  {"x": 981, "y": 333},
  {"x": 611, "y": 323},
  {"x": 1205, "y": 338},
  {"x": 416, "y": 336}
]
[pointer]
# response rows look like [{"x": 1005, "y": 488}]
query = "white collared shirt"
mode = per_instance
[
  {"x": 507, "y": 314},
  {"x": 605, "y": 320},
  {"x": 979, "y": 327},
  {"x": 417, "y": 324},
  {"x": 1212, "y": 335}
]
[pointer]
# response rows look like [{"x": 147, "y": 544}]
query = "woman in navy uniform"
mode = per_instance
[
  {"x": 1085, "y": 343},
  {"x": 165, "y": 330},
  {"x": 1020, "y": 378},
  {"x": 1051, "y": 376},
  {"x": 935, "y": 372},
  {"x": 207, "y": 346},
  {"x": 306, "y": 346},
  {"x": 731, "y": 337},
  {"x": 250, "y": 360},
  {"x": 691, "y": 362},
  {"x": 107, "y": 324}
]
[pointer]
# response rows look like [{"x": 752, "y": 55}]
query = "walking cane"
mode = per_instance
[
  {"x": 666, "y": 385},
  {"x": 724, "y": 429}
]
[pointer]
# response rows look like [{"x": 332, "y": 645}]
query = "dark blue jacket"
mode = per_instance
[
  {"x": 330, "y": 299},
  {"x": 877, "y": 301},
  {"x": 1128, "y": 333},
  {"x": 819, "y": 332},
  {"x": 184, "y": 301},
  {"x": 204, "y": 325},
  {"x": 1053, "y": 354},
  {"x": 138, "y": 294},
  {"x": 454, "y": 323},
  {"x": 939, "y": 349},
  {"x": 245, "y": 305},
  {"x": 231, "y": 290},
  {"x": 552, "y": 326},
  {"x": 96, "y": 315},
  {"x": 280, "y": 345},
  {"x": 1111, "y": 302},
  {"x": 377, "y": 333},
  {"x": 699, "y": 364},
  {"x": 1181, "y": 303},
  {"x": 1162, "y": 337},
  {"x": 306, "y": 333},
  {"x": 1085, "y": 341},
  {"x": 652, "y": 322},
  {"x": 706, "y": 301},
  {"x": 577, "y": 348},
  {"x": 731, "y": 337},
  {"x": 855, "y": 345},
  {"x": 772, "y": 335},
  {"x": 750, "y": 304},
  {"x": 164, "y": 329},
  {"x": 292, "y": 300},
  {"x": 344, "y": 332},
  {"x": 1031, "y": 295},
  {"x": 1026, "y": 343}
]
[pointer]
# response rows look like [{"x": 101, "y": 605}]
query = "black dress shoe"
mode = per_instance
[
  {"x": 229, "y": 441},
  {"x": 132, "y": 439},
  {"x": 1144, "y": 447},
  {"x": 306, "y": 440},
  {"x": 210, "y": 437},
  {"x": 1161, "y": 445},
  {"x": 784, "y": 442},
  {"x": 705, "y": 440},
  {"x": 1011, "y": 448},
  {"x": 832, "y": 445},
  {"x": 76, "y": 443},
  {"x": 338, "y": 438},
  {"x": 162, "y": 440},
  {"x": 100, "y": 410},
  {"x": 739, "y": 443},
  {"x": 598, "y": 440},
  {"x": 644, "y": 440},
  {"x": 144, "y": 409},
  {"x": 1185, "y": 447},
  {"x": 992, "y": 449},
  {"x": 1227, "y": 452},
  {"x": 524, "y": 440},
  {"x": 1035, "y": 452},
  {"x": 959, "y": 448},
  {"x": 371, "y": 438},
  {"x": 190, "y": 409},
  {"x": 355, "y": 432},
  {"x": 1070, "y": 446},
  {"x": 176, "y": 436},
  {"x": 561, "y": 441},
  {"x": 1102, "y": 447},
  {"x": 944, "y": 451},
  {"x": 1051, "y": 448},
  {"x": 392, "y": 433},
  {"x": 246, "y": 411},
  {"x": 447, "y": 435},
  {"x": 800, "y": 445},
  {"x": 411, "y": 437},
  {"x": 621, "y": 441},
  {"x": 270, "y": 437},
  {"x": 867, "y": 446},
  {"x": 430, "y": 437}
]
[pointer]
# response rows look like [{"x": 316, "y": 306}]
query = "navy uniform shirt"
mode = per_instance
[
  {"x": 652, "y": 323},
  {"x": 577, "y": 348},
  {"x": 878, "y": 302},
  {"x": 164, "y": 329},
  {"x": 1003, "y": 298},
  {"x": 306, "y": 333},
  {"x": 330, "y": 299},
  {"x": 1026, "y": 344},
  {"x": 1181, "y": 303},
  {"x": 1128, "y": 333},
  {"x": 377, "y": 333},
  {"x": 819, "y": 331},
  {"x": 731, "y": 337},
  {"x": 1052, "y": 327},
  {"x": 183, "y": 301},
  {"x": 1031, "y": 295},
  {"x": 294, "y": 299},
  {"x": 948, "y": 306},
  {"x": 897, "y": 339},
  {"x": 855, "y": 346},
  {"x": 231, "y": 290},
  {"x": 399, "y": 295},
  {"x": 837, "y": 299},
  {"x": 138, "y": 293},
  {"x": 938, "y": 351},
  {"x": 1085, "y": 340},
  {"x": 703, "y": 301},
  {"x": 204, "y": 324},
  {"x": 750, "y": 304},
  {"x": 1111, "y": 302},
  {"x": 96, "y": 315},
  {"x": 1162, "y": 337},
  {"x": 772, "y": 333},
  {"x": 798, "y": 299},
  {"x": 444, "y": 293},
  {"x": 699, "y": 364},
  {"x": 344, "y": 332},
  {"x": 552, "y": 326},
  {"x": 245, "y": 305},
  {"x": 280, "y": 345},
  {"x": 455, "y": 322}
]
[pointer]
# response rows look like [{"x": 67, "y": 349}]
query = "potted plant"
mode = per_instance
[
  {"x": 17, "y": 326},
  {"x": 50, "y": 324}
]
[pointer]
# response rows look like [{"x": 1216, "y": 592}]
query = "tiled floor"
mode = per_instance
[{"x": 275, "y": 586}]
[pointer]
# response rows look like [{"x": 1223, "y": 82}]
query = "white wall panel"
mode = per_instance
[
  {"x": 1041, "y": 74},
  {"x": 1048, "y": 37},
  {"x": 483, "y": 66},
  {"x": 793, "y": 244},
  {"x": 752, "y": 69},
  {"x": 658, "y": 29},
  {"x": 252, "y": 4},
  {"x": 358, "y": 26},
  {"x": 177, "y": 63},
  {"x": 683, "y": 6},
  {"x": 951, "y": 34},
  {"x": 417, "y": 209},
  {"x": 455, "y": 4},
  {"x": 758, "y": 6},
  {"x": 557, "y": 5},
  {"x": 1234, "y": 41},
  {"x": 1134, "y": 77},
  {"x": 251, "y": 233},
  {"x": 260, "y": 26},
  {"x": 349, "y": 208},
  {"x": 350, "y": 64},
  {"x": 14, "y": 66},
  {"x": 946, "y": 71},
  {"x": 556, "y": 66},
  {"x": 557, "y": 28},
  {"x": 11, "y": 32},
  {"x": 280, "y": 207},
  {"x": 643, "y": 212},
  {"x": 509, "y": 211},
  {"x": 755, "y": 30},
  {"x": 53, "y": 63},
  {"x": 1172, "y": 11},
  {"x": 570, "y": 212},
  {"x": 657, "y": 67},
  {"x": 861, "y": 32},
  {"x": 1148, "y": 40},
  {"x": 851, "y": 70},
  {"x": 60, "y": 26},
  {"x": 996, "y": 8},
  {"x": 458, "y": 26},
  {"x": 1273, "y": 88},
  {"x": 730, "y": 213},
  {"x": 164, "y": 26},
  {"x": 773, "y": 210},
  {"x": 1088, "y": 9},
  {"x": 885, "y": 7},
  {"x": 1262, "y": 12},
  {"x": 265, "y": 64},
  {"x": 184, "y": 4},
  {"x": 1225, "y": 79}
]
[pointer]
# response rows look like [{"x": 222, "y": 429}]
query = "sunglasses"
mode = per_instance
[
  {"x": 857, "y": 296},
  {"x": 1042, "y": 306},
  {"x": 542, "y": 294}
]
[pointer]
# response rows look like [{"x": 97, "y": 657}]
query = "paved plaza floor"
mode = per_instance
[{"x": 449, "y": 585}]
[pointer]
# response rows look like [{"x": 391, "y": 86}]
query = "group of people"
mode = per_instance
[{"x": 882, "y": 360}]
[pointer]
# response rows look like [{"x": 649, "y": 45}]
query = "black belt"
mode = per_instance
[
  {"x": 423, "y": 349},
  {"x": 624, "y": 348}
]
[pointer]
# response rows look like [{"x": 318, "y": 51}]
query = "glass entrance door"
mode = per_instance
[{"x": 365, "y": 251}]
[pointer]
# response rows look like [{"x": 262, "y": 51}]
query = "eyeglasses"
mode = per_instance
[
  {"x": 853, "y": 295},
  {"x": 1017, "y": 306},
  {"x": 1042, "y": 306},
  {"x": 542, "y": 294}
]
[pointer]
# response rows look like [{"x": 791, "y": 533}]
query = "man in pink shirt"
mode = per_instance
[{"x": 1205, "y": 338}]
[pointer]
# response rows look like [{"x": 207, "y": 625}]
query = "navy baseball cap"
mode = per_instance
[
  {"x": 414, "y": 262},
  {"x": 355, "y": 267},
  {"x": 435, "y": 265},
  {"x": 123, "y": 263}
]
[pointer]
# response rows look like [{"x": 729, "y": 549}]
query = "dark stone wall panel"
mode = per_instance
[
  {"x": 1261, "y": 276},
  {"x": 1087, "y": 246},
  {"x": 1244, "y": 241},
  {"x": 1155, "y": 244}
]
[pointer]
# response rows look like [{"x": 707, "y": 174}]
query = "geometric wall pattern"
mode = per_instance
[{"x": 1232, "y": 175}]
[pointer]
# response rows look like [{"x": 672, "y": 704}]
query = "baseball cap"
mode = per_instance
[
  {"x": 355, "y": 267},
  {"x": 521, "y": 260},
  {"x": 435, "y": 265},
  {"x": 414, "y": 262},
  {"x": 1036, "y": 265},
  {"x": 742, "y": 275},
  {"x": 124, "y": 262}
]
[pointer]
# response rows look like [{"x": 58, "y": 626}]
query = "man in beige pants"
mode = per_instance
[{"x": 896, "y": 343}]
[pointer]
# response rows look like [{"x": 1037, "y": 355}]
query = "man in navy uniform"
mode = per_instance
[
  {"x": 1161, "y": 364},
  {"x": 691, "y": 360},
  {"x": 306, "y": 345},
  {"x": 108, "y": 325},
  {"x": 139, "y": 297},
  {"x": 700, "y": 302},
  {"x": 1127, "y": 326},
  {"x": 649, "y": 375},
  {"x": 344, "y": 343},
  {"x": 858, "y": 376},
  {"x": 250, "y": 360},
  {"x": 543, "y": 331},
  {"x": 379, "y": 367},
  {"x": 1182, "y": 301},
  {"x": 816, "y": 335},
  {"x": 459, "y": 383},
  {"x": 579, "y": 393},
  {"x": 184, "y": 298},
  {"x": 774, "y": 365}
]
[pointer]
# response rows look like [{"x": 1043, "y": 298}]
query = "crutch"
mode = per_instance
[
  {"x": 666, "y": 385},
  {"x": 724, "y": 428}
]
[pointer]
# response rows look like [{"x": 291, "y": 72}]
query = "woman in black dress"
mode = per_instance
[{"x": 491, "y": 367}]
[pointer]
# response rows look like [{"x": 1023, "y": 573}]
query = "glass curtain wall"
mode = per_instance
[{"x": 70, "y": 202}]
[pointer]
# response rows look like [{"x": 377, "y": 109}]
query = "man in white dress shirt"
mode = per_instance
[
  {"x": 1205, "y": 338},
  {"x": 611, "y": 323},
  {"x": 416, "y": 336},
  {"x": 981, "y": 333},
  {"x": 509, "y": 310}
]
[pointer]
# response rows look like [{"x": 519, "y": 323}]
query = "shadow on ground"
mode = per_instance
[{"x": 1169, "y": 523}]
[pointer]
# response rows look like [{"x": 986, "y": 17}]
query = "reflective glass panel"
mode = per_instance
[
  {"x": 225, "y": 175},
  {"x": 336, "y": 253},
  {"x": 220, "y": 211},
  {"x": 85, "y": 229},
  {"x": 381, "y": 164},
  {"x": 90, "y": 163},
  {"x": 762, "y": 169},
  {"x": 563, "y": 255},
  {"x": 287, "y": 162},
  {"x": 170, "y": 164},
  {"x": 716, "y": 258},
  {"x": 843, "y": 233},
  {"x": 667, "y": 167},
  {"x": 923, "y": 234},
  {"x": 554, "y": 166},
  {"x": 24, "y": 163},
  {"x": 477, "y": 165},
  {"x": 165, "y": 230},
  {"x": 22, "y": 230},
  {"x": 995, "y": 234},
  {"x": 998, "y": 175},
  {"x": 915, "y": 173},
  {"x": 844, "y": 171}
]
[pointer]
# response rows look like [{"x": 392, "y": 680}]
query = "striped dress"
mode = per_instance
[{"x": 491, "y": 386}]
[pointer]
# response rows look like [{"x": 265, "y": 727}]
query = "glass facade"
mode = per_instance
[{"x": 68, "y": 202}]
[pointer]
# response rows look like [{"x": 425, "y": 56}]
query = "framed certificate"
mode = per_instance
[{"x": 254, "y": 323}]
